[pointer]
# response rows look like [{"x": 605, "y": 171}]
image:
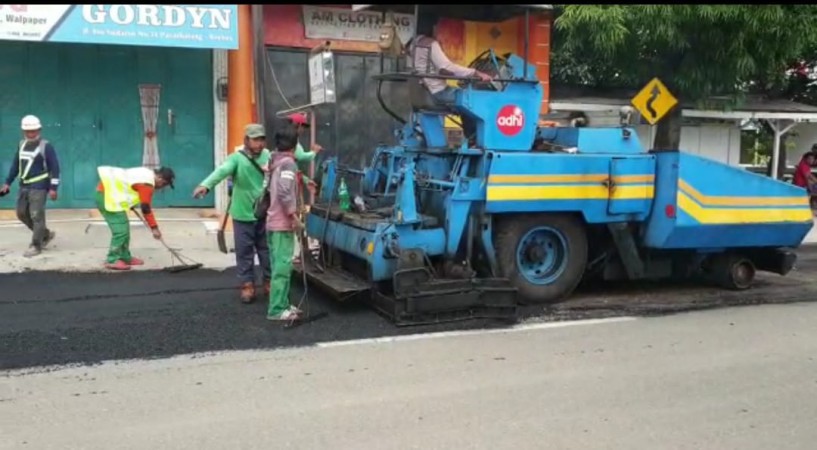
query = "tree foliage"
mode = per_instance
[
  {"x": 800, "y": 84},
  {"x": 703, "y": 53}
]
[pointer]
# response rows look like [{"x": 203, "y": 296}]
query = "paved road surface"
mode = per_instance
[
  {"x": 62, "y": 318},
  {"x": 738, "y": 378}
]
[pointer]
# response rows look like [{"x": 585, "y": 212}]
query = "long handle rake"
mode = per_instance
[{"x": 185, "y": 263}]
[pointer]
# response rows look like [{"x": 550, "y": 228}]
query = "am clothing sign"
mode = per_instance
[{"x": 192, "y": 26}]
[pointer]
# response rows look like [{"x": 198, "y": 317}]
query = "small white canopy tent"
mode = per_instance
[{"x": 781, "y": 115}]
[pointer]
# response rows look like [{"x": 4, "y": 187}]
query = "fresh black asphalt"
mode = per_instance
[
  {"x": 49, "y": 318},
  {"x": 60, "y": 318}
]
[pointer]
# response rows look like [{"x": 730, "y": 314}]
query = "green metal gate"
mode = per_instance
[{"x": 87, "y": 97}]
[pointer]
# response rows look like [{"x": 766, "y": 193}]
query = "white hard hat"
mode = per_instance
[{"x": 30, "y": 123}]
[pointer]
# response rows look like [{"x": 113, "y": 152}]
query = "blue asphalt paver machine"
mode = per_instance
[{"x": 442, "y": 233}]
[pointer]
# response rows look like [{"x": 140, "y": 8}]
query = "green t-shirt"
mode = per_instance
[
  {"x": 248, "y": 183},
  {"x": 303, "y": 158}
]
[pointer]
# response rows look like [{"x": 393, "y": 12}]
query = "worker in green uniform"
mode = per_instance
[
  {"x": 120, "y": 190},
  {"x": 283, "y": 221},
  {"x": 246, "y": 167},
  {"x": 303, "y": 159}
]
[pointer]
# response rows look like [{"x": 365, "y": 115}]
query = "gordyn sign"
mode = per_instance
[
  {"x": 198, "y": 26},
  {"x": 159, "y": 16}
]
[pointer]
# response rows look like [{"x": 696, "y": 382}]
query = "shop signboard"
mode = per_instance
[
  {"x": 345, "y": 24},
  {"x": 192, "y": 26}
]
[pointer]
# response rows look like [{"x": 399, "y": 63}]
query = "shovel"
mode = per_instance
[{"x": 222, "y": 242}]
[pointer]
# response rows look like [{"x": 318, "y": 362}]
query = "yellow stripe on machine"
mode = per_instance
[
  {"x": 729, "y": 200},
  {"x": 712, "y": 216},
  {"x": 564, "y": 187},
  {"x": 568, "y": 192},
  {"x": 583, "y": 178}
]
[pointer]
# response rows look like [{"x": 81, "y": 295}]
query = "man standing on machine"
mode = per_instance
[
  {"x": 121, "y": 190},
  {"x": 283, "y": 222},
  {"x": 245, "y": 166},
  {"x": 38, "y": 168},
  {"x": 427, "y": 57}
]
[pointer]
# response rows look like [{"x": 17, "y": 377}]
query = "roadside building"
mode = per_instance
[
  {"x": 724, "y": 136},
  {"x": 124, "y": 85},
  {"x": 356, "y": 123}
]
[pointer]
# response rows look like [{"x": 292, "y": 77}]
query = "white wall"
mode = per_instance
[
  {"x": 718, "y": 141},
  {"x": 220, "y": 125}
]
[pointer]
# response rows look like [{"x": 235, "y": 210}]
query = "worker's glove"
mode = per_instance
[
  {"x": 156, "y": 234},
  {"x": 200, "y": 192},
  {"x": 483, "y": 76},
  {"x": 4, "y": 189},
  {"x": 312, "y": 187}
]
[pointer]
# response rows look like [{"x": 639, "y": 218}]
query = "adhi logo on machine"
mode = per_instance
[{"x": 510, "y": 120}]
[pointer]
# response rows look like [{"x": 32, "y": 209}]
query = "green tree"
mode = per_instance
[{"x": 711, "y": 55}]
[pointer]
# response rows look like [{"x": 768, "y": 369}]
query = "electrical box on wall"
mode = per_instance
[
  {"x": 221, "y": 89},
  {"x": 322, "y": 77}
]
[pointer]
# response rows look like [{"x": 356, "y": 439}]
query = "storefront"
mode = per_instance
[
  {"x": 355, "y": 124},
  {"x": 123, "y": 85}
]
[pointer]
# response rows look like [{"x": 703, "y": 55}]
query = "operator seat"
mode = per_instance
[{"x": 422, "y": 101}]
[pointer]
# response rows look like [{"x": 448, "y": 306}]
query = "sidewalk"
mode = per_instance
[{"x": 82, "y": 242}]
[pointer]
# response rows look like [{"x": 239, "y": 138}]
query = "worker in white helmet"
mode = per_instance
[{"x": 37, "y": 167}]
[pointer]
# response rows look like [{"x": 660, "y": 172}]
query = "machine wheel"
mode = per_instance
[
  {"x": 732, "y": 271},
  {"x": 543, "y": 255}
]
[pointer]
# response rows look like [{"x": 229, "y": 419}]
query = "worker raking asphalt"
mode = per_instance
[{"x": 51, "y": 318}]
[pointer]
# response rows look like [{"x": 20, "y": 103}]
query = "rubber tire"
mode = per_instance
[
  {"x": 509, "y": 230},
  {"x": 726, "y": 266}
]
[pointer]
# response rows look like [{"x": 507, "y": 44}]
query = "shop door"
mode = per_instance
[
  {"x": 88, "y": 100},
  {"x": 356, "y": 124}
]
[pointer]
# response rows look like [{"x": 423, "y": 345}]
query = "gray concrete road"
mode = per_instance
[{"x": 737, "y": 378}]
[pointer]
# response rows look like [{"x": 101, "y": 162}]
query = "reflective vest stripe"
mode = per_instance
[
  {"x": 26, "y": 161},
  {"x": 118, "y": 185},
  {"x": 36, "y": 179}
]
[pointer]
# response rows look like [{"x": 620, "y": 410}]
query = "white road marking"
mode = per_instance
[{"x": 446, "y": 334}]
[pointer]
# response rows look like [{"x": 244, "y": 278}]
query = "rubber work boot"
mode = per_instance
[
  {"x": 136, "y": 262},
  {"x": 32, "y": 251},
  {"x": 247, "y": 293},
  {"x": 50, "y": 238},
  {"x": 288, "y": 315},
  {"x": 119, "y": 265}
]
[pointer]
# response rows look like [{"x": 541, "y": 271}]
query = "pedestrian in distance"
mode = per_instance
[
  {"x": 121, "y": 190},
  {"x": 805, "y": 179},
  {"x": 283, "y": 222},
  {"x": 245, "y": 166},
  {"x": 37, "y": 166}
]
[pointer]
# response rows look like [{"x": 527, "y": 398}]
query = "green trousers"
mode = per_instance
[
  {"x": 119, "y": 224},
  {"x": 281, "y": 245}
]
